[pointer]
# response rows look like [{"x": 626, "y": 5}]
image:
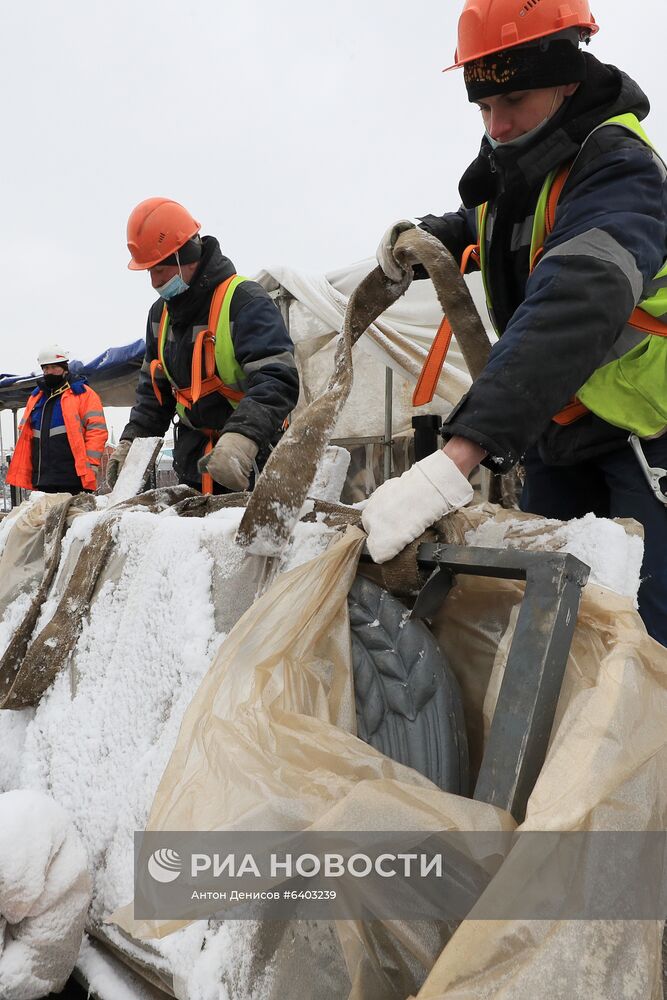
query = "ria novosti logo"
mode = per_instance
[{"x": 165, "y": 865}]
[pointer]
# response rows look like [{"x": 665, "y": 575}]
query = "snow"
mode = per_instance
[
  {"x": 12, "y": 619},
  {"x": 44, "y": 895},
  {"x": 142, "y": 652},
  {"x": 330, "y": 476},
  {"x": 614, "y": 555},
  {"x": 13, "y": 728},
  {"x": 133, "y": 472},
  {"x": 77, "y": 536},
  {"x": 310, "y": 540},
  {"x": 102, "y": 734},
  {"x": 107, "y": 977}
]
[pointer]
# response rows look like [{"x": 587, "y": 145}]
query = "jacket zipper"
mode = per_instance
[
  {"x": 41, "y": 423},
  {"x": 58, "y": 392}
]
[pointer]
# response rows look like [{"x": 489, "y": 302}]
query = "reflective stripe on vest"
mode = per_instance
[
  {"x": 226, "y": 375},
  {"x": 629, "y": 389}
]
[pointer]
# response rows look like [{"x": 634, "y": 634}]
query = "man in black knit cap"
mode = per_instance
[{"x": 565, "y": 213}]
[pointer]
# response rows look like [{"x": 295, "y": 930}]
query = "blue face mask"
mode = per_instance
[{"x": 175, "y": 286}]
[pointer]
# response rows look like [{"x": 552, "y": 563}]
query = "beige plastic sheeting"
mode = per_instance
[
  {"x": 267, "y": 743},
  {"x": 22, "y": 556}
]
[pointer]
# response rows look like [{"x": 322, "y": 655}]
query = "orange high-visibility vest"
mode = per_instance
[{"x": 86, "y": 430}]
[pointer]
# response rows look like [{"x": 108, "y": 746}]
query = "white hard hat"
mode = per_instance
[{"x": 53, "y": 355}]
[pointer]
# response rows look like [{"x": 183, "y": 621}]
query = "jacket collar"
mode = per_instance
[
  {"x": 77, "y": 385},
  {"x": 606, "y": 92}
]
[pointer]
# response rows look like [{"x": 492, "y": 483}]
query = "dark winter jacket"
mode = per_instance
[
  {"x": 262, "y": 347},
  {"x": 559, "y": 324}
]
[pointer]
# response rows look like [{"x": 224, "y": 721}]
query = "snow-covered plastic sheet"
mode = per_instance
[
  {"x": 149, "y": 660},
  {"x": 22, "y": 557},
  {"x": 45, "y": 890},
  {"x": 267, "y": 709}
]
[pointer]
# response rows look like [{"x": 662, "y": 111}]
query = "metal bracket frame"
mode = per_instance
[{"x": 526, "y": 706}]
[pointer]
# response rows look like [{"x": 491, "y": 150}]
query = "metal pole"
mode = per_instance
[
  {"x": 2, "y": 462},
  {"x": 283, "y": 298},
  {"x": 14, "y": 491},
  {"x": 388, "y": 420}
]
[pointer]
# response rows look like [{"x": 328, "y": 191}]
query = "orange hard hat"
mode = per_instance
[
  {"x": 157, "y": 227},
  {"x": 488, "y": 26}
]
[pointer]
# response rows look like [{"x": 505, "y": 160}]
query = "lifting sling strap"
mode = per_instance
[{"x": 430, "y": 373}]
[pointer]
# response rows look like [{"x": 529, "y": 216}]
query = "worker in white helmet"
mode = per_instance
[{"x": 62, "y": 433}]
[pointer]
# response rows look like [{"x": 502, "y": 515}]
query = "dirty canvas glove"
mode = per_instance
[
  {"x": 385, "y": 251},
  {"x": 230, "y": 462},
  {"x": 116, "y": 462},
  {"x": 401, "y": 509}
]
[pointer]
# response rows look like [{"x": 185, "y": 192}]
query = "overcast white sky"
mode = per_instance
[{"x": 295, "y": 132}]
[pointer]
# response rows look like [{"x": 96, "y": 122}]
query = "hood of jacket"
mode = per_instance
[
  {"x": 213, "y": 268},
  {"x": 606, "y": 92}
]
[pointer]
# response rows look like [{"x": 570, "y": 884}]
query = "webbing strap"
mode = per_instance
[
  {"x": 203, "y": 351},
  {"x": 571, "y": 411},
  {"x": 156, "y": 369},
  {"x": 435, "y": 359},
  {"x": 207, "y": 478},
  {"x": 430, "y": 373},
  {"x": 204, "y": 344},
  {"x": 642, "y": 320}
]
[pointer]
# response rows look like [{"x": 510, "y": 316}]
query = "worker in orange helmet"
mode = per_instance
[
  {"x": 219, "y": 360},
  {"x": 565, "y": 213}
]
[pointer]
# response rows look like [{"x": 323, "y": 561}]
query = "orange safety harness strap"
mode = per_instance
[
  {"x": 211, "y": 441},
  {"x": 640, "y": 319},
  {"x": 430, "y": 373},
  {"x": 203, "y": 351}
]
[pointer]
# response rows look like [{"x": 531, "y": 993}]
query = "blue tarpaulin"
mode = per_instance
[{"x": 113, "y": 375}]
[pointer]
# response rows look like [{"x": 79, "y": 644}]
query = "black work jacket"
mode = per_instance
[
  {"x": 559, "y": 323},
  {"x": 262, "y": 347}
]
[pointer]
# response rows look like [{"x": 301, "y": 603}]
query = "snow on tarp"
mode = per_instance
[
  {"x": 135, "y": 469},
  {"x": 103, "y": 734},
  {"x": 614, "y": 550},
  {"x": 44, "y": 895},
  {"x": 108, "y": 978},
  {"x": 113, "y": 375}
]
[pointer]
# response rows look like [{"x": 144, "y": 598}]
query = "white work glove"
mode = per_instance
[
  {"x": 116, "y": 462},
  {"x": 385, "y": 251},
  {"x": 401, "y": 509},
  {"x": 230, "y": 462}
]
